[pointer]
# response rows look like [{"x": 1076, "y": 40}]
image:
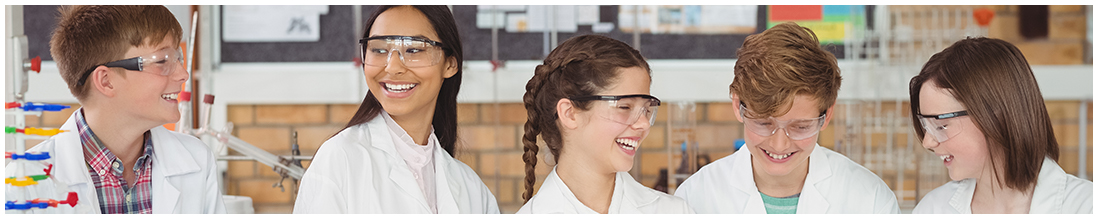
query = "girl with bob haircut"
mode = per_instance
[
  {"x": 589, "y": 100},
  {"x": 396, "y": 153},
  {"x": 977, "y": 106}
]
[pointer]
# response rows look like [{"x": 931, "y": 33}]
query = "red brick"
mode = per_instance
[
  {"x": 1062, "y": 111},
  {"x": 482, "y": 137},
  {"x": 32, "y": 121},
  {"x": 717, "y": 136},
  {"x": 468, "y": 113},
  {"x": 508, "y": 113},
  {"x": 507, "y": 163},
  {"x": 309, "y": 138},
  {"x": 656, "y": 139},
  {"x": 1067, "y": 27},
  {"x": 722, "y": 112},
  {"x": 1065, "y": 8},
  {"x": 273, "y": 208},
  {"x": 342, "y": 113},
  {"x": 241, "y": 114},
  {"x": 291, "y": 114},
  {"x": 1005, "y": 27},
  {"x": 652, "y": 162},
  {"x": 271, "y": 139},
  {"x": 56, "y": 119},
  {"x": 261, "y": 192},
  {"x": 1051, "y": 53},
  {"x": 241, "y": 169}
]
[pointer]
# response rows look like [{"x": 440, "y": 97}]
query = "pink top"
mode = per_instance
[{"x": 419, "y": 158}]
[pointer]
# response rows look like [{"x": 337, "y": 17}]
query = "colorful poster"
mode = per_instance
[{"x": 829, "y": 22}]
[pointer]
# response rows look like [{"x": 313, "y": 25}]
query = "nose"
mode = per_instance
[
  {"x": 395, "y": 65},
  {"x": 642, "y": 122},
  {"x": 780, "y": 139},
  {"x": 929, "y": 142},
  {"x": 179, "y": 73}
]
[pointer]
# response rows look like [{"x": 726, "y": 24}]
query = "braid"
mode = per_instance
[
  {"x": 579, "y": 66},
  {"x": 529, "y": 137}
]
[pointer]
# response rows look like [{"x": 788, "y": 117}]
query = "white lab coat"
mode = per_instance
[
  {"x": 834, "y": 184},
  {"x": 1056, "y": 193},
  {"x": 184, "y": 174},
  {"x": 630, "y": 197},
  {"x": 360, "y": 171}
]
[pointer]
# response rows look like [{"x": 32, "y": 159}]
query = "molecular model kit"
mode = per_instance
[{"x": 26, "y": 171}]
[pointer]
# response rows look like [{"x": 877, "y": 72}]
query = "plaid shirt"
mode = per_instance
[{"x": 115, "y": 195}]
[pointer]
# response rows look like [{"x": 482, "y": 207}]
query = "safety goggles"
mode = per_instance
[
  {"x": 942, "y": 126},
  {"x": 413, "y": 51},
  {"x": 796, "y": 129},
  {"x": 624, "y": 109},
  {"x": 163, "y": 62}
]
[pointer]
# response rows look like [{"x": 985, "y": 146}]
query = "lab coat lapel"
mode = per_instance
[
  {"x": 399, "y": 174},
  {"x": 170, "y": 161},
  {"x": 70, "y": 169},
  {"x": 448, "y": 189},
  {"x": 632, "y": 196},
  {"x": 962, "y": 199},
  {"x": 811, "y": 199},
  {"x": 746, "y": 183},
  {"x": 1050, "y": 191}
]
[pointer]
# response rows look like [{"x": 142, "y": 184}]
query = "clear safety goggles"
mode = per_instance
[
  {"x": 796, "y": 129},
  {"x": 163, "y": 62},
  {"x": 413, "y": 51},
  {"x": 625, "y": 109},
  {"x": 942, "y": 126}
]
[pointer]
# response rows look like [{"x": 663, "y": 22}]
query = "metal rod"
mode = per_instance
[{"x": 1083, "y": 109}]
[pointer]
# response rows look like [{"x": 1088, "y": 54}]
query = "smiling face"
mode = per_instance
[
  {"x": 403, "y": 90},
  {"x": 965, "y": 154},
  {"x": 605, "y": 145},
  {"x": 149, "y": 96},
  {"x": 778, "y": 155}
]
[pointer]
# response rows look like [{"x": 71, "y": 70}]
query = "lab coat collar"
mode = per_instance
[
  {"x": 446, "y": 200},
  {"x": 634, "y": 195},
  {"x": 448, "y": 189},
  {"x": 1048, "y": 195},
  {"x": 628, "y": 197},
  {"x": 167, "y": 156},
  {"x": 69, "y": 155},
  {"x": 1051, "y": 189},
  {"x": 169, "y": 161},
  {"x": 400, "y": 174},
  {"x": 819, "y": 169},
  {"x": 70, "y": 166}
]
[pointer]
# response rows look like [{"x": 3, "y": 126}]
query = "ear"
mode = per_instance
[
  {"x": 736, "y": 108},
  {"x": 451, "y": 67},
  {"x": 101, "y": 81},
  {"x": 827, "y": 118},
  {"x": 566, "y": 113}
]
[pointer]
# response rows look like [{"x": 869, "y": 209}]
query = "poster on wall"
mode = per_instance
[
  {"x": 272, "y": 23},
  {"x": 829, "y": 22},
  {"x": 689, "y": 19}
]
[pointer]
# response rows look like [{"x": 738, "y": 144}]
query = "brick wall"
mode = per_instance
[
  {"x": 494, "y": 151},
  {"x": 490, "y": 135},
  {"x": 1064, "y": 45}
]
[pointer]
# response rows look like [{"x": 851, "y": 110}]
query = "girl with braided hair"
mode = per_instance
[{"x": 590, "y": 102}]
